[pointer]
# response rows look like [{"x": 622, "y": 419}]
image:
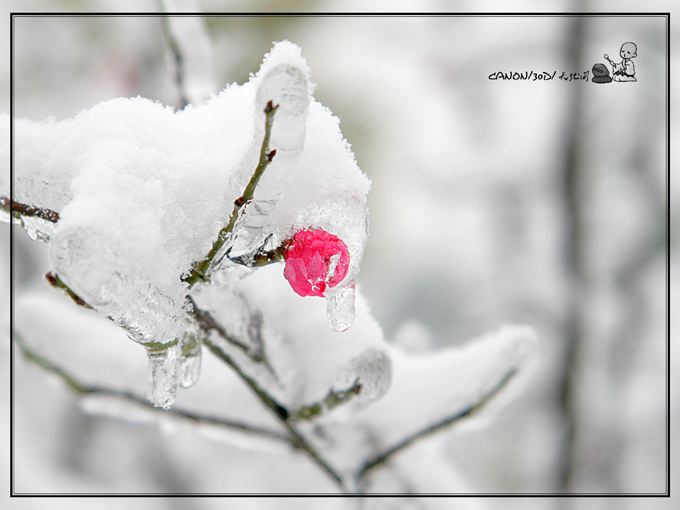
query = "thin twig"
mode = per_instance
[
  {"x": 208, "y": 323},
  {"x": 330, "y": 401},
  {"x": 54, "y": 280},
  {"x": 200, "y": 270},
  {"x": 17, "y": 210},
  {"x": 272, "y": 404},
  {"x": 176, "y": 54},
  {"x": 281, "y": 413},
  {"x": 83, "y": 390},
  {"x": 383, "y": 457}
]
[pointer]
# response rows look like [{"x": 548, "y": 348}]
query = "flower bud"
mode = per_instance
[{"x": 315, "y": 261}]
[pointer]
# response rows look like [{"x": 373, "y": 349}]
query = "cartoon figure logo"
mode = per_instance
[{"x": 623, "y": 71}]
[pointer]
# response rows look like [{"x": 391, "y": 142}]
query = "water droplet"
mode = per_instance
[{"x": 340, "y": 308}]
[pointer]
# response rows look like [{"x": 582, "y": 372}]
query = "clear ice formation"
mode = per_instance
[
  {"x": 340, "y": 307},
  {"x": 163, "y": 376},
  {"x": 37, "y": 228},
  {"x": 373, "y": 370},
  {"x": 94, "y": 269}
]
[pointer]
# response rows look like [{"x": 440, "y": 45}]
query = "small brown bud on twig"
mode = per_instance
[
  {"x": 51, "y": 279},
  {"x": 271, "y": 155}
]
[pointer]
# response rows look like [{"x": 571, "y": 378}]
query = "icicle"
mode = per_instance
[
  {"x": 189, "y": 369},
  {"x": 163, "y": 367},
  {"x": 340, "y": 307},
  {"x": 93, "y": 267}
]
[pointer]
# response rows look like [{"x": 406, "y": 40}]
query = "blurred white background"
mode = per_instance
[{"x": 470, "y": 220}]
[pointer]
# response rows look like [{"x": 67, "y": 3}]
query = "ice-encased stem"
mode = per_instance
[
  {"x": 38, "y": 222},
  {"x": 287, "y": 86},
  {"x": 202, "y": 269},
  {"x": 330, "y": 401},
  {"x": 189, "y": 364}
]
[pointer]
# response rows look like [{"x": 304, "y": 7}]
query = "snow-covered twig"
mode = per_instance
[
  {"x": 196, "y": 418},
  {"x": 200, "y": 271},
  {"x": 17, "y": 210},
  {"x": 383, "y": 457}
]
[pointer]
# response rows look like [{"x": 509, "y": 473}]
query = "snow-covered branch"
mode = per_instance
[
  {"x": 386, "y": 455},
  {"x": 129, "y": 398},
  {"x": 200, "y": 270}
]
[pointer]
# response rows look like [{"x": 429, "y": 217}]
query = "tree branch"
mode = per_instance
[
  {"x": 281, "y": 413},
  {"x": 83, "y": 390},
  {"x": 17, "y": 210},
  {"x": 55, "y": 281},
  {"x": 572, "y": 187},
  {"x": 176, "y": 55},
  {"x": 330, "y": 401},
  {"x": 207, "y": 323},
  {"x": 385, "y": 456}
]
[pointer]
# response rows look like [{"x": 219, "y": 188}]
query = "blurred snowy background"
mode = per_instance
[{"x": 492, "y": 202}]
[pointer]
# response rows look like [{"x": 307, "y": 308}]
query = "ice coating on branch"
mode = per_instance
[
  {"x": 284, "y": 80},
  {"x": 372, "y": 368},
  {"x": 189, "y": 363},
  {"x": 142, "y": 192},
  {"x": 37, "y": 229}
]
